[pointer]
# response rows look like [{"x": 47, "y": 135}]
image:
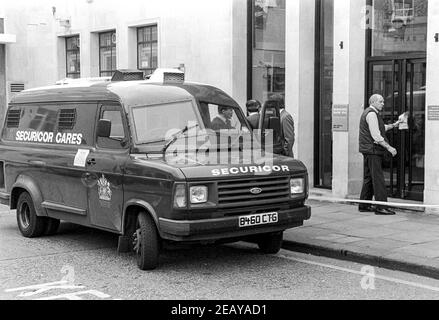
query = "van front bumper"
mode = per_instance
[{"x": 228, "y": 227}]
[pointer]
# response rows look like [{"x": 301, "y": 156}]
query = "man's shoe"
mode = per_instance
[
  {"x": 366, "y": 208},
  {"x": 384, "y": 211}
]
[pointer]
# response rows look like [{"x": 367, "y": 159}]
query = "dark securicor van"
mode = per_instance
[{"x": 117, "y": 156}]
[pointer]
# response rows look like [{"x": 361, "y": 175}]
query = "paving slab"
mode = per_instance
[{"x": 407, "y": 241}]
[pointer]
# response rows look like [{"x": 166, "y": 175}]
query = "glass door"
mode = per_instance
[
  {"x": 402, "y": 84},
  {"x": 415, "y": 135}
]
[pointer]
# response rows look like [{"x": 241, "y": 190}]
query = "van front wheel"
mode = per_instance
[
  {"x": 29, "y": 223},
  {"x": 146, "y": 242}
]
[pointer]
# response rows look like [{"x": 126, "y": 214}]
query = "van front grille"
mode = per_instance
[{"x": 266, "y": 190}]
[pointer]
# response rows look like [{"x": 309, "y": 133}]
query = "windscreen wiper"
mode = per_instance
[{"x": 175, "y": 136}]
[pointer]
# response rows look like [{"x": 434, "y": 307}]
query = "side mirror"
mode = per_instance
[{"x": 104, "y": 128}]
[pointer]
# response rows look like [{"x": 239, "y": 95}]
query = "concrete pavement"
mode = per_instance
[{"x": 407, "y": 241}]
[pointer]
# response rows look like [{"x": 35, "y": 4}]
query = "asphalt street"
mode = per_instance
[{"x": 82, "y": 263}]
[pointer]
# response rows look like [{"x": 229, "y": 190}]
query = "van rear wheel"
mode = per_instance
[
  {"x": 270, "y": 243},
  {"x": 146, "y": 242},
  {"x": 29, "y": 223}
]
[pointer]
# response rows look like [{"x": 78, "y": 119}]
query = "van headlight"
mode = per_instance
[
  {"x": 198, "y": 194},
  {"x": 180, "y": 196},
  {"x": 297, "y": 186}
]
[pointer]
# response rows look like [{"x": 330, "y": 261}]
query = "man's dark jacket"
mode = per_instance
[
  {"x": 366, "y": 142},
  {"x": 254, "y": 120}
]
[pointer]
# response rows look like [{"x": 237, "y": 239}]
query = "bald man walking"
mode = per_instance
[{"x": 373, "y": 145}]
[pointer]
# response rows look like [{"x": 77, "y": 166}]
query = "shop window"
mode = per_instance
[
  {"x": 147, "y": 53},
  {"x": 268, "y": 48},
  {"x": 107, "y": 53},
  {"x": 73, "y": 61},
  {"x": 399, "y": 27}
]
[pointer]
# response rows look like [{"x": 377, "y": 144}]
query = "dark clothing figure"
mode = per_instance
[
  {"x": 367, "y": 143},
  {"x": 373, "y": 180},
  {"x": 373, "y": 144},
  {"x": 254, "y": 120},
  {"x": 287, "y": 127},
  {"x": 219, "y": 124},
  {"x": 253, "y": 109}
]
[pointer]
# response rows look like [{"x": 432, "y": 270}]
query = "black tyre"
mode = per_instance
[
  {"x": 146, "y": 242},
  {"x": 51, "y": 226},
  {"x": 270, "y": 242},
  {"x": 29, "y": 223}
]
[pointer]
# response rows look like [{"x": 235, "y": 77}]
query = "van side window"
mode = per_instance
[
  {"x": 117, "y": 134},
  {"x": 65, "y": 124}
]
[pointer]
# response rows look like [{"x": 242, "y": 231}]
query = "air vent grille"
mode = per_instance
[
  {"x": 13, "y": 118},
  {"x": 66, "y": 119}
]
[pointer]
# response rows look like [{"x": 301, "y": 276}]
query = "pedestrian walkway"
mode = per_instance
[{"x": 407, "y": 241}]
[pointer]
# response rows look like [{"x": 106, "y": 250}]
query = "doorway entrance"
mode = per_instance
[{"x": 402, "y": 84}]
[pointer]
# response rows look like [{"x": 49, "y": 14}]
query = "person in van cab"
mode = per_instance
[
  {"x": 253, "y": 109},
  {"x": 222, "y": 121}
]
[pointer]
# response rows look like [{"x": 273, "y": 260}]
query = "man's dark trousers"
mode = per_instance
[{"x": 373, "y": 179}]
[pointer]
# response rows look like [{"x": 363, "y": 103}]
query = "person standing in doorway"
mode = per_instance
[
  {"x": 373, "y": 144},
  {"x": 287, "y": 126},
  {"x": 253, "y": 109}
]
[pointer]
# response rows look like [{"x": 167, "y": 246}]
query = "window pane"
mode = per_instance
[
  {"x": 399, "y": 26},
  {"x": 141, "y": 34},
  {"x": 106, "y": 59},
  {"x": 72, "y": 62},
  {"x": 72, "y": 43},
  {"x": 154, "y": 123},
  {"x": 144, "y": 54},
  {"x": 105, "y": 39},
  {"x": 268, "y": 48},
  {"x": 154, "y": 57},
  {"x": 73, "y": 66},
  {"x": 154, "y": 33},
  {"x": 115, "y": 117}
]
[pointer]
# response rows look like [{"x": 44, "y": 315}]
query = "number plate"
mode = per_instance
[{"x": 257, "y": 219}]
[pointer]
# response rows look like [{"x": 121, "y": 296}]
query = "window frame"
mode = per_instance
[
  {"x": 112, "y": 107},
  {"x": 112, "y": 47},
  {"x": 77, "y": 52},
  {"x": 150, "y": 44}
]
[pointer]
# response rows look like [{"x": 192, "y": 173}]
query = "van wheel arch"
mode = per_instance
[
  {"x": 27, "y": 184},
  {"x": 130, "y": 218},
  {"x": 15, "y": 194}
]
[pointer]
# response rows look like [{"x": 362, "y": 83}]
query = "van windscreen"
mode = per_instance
[{"x": 158, "y": 122}]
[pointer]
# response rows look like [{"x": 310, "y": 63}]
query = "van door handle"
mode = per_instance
[
  {"x": 37, "y": 162},
  {"x": 91, "y": 161}
]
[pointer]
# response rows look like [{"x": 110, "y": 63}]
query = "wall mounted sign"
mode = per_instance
[
  {"x": 340, "y": 117},
  {"x": 433, "y": 113}
]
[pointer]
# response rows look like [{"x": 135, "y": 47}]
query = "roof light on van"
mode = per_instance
[
  {"x": 82, "y": 81},
  {"x": 167, "y": 76}
]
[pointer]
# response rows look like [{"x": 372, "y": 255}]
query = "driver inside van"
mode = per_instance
[{"x": 222, "y": 121}]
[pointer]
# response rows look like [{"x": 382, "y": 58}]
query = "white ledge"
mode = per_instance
[{"x": 7, "y": 38}]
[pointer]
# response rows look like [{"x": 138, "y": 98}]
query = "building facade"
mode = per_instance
[{"x": 325, "y": 56}]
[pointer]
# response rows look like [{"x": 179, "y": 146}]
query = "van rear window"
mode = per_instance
[{"x": 50, "y": 124}]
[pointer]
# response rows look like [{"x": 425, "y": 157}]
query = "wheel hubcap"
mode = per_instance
[{"x": 25, "y": 215}]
